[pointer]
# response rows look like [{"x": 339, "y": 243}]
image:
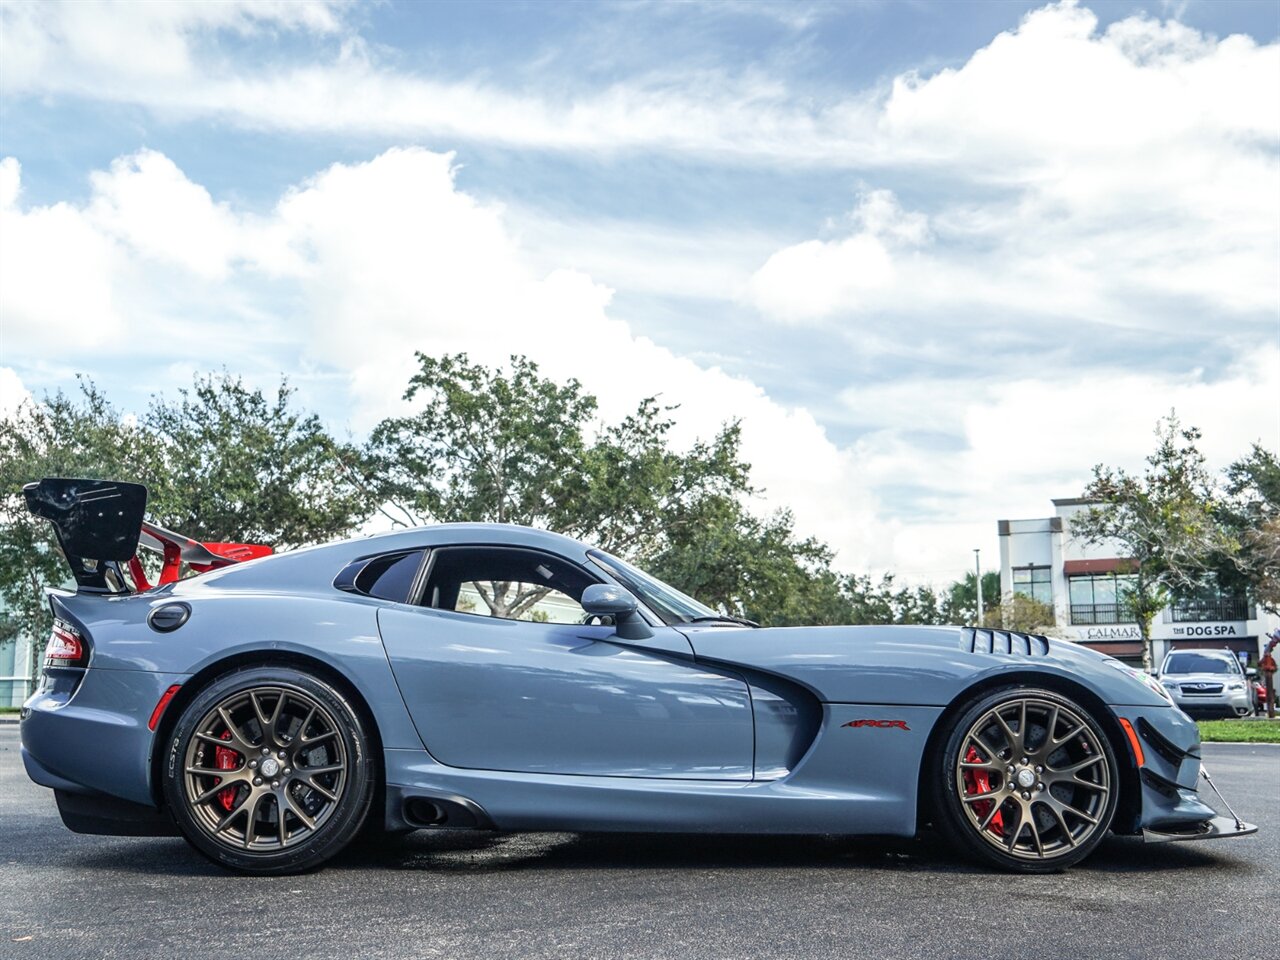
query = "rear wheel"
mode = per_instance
[
  {"x": 268, "y": 771},
  {"x": 1027, "y": 781}
]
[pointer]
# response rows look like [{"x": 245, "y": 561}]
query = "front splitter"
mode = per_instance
[{"x": 1219, "y": 828}]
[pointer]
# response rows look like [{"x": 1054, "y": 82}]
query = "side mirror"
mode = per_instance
[
  {"x": 608, "y": 600},
  {"x": 1251, "y": 673}
]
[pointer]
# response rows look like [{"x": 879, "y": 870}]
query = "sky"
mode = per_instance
[{"x": 939, "y": 258}]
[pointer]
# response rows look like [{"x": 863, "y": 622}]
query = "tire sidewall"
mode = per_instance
[
  {"x": 340, "y": 827},
  {"x": 947, "y": 805}
]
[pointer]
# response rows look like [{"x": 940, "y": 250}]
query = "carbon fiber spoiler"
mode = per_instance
[{"x": 100, "y": 524}]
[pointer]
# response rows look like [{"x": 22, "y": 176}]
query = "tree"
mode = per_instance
[
  {"x": 1252, "y": 516},
  {"x": 235, "y": 464},
  {"x": 511, "y": 446},
  {"x": 222, "y": 462},
  {"x": 1020, "y": 613},
  {"x": 751, "y": 566},
  {"x": 1163, "y": 520},
  {"x": 884, "y": 602},
  {"x": 961, "y": 604},
  {"x": 58, "y": 436}
]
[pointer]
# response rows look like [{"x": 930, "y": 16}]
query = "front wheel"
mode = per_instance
[
  {"x": 1026, "y": 781},
  {"x": 269, "y": 771}
]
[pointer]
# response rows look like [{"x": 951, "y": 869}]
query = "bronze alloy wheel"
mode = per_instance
[
  {"x": 264, "y": 769},
  {"x": 1025, "y": 779},
  {"x": 1034, "y": 778},
  {"x": 270, "y": 769}
]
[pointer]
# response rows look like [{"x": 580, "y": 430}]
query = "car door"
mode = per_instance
[{"x": 499, "y": 673}]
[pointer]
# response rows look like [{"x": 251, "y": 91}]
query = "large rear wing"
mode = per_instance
[{"x": 101, "y": 524}]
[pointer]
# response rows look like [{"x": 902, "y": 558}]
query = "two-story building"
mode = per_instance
[{"x": 1084, "y": 584}]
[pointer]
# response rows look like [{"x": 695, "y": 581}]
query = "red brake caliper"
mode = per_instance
[
  {"x": 226, "y": 759},
  {"x": 976, "y": 781}
]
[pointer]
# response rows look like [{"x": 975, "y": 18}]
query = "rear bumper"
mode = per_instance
[{"x": 95, "y": 740}]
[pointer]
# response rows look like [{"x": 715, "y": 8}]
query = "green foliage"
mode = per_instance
[
  {"x": 753, "y": 567},
  {"x": 1020, "y": 613},
  {"x": 1163, "y": 520},
  {"x": 1251, "y": 514},
  {"x": 883, "y": 601},
  {"x": 60, "y": 436},
  {"x": 237, "y": 464},
  {"x": 222, "y": 462},
  {"x": 961, "y": 604}
]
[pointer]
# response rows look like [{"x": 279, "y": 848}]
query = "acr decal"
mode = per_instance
[{"x": 899, "y": 724}]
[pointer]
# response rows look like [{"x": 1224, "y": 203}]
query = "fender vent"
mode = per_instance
[{"x": 1003, "y": 642}]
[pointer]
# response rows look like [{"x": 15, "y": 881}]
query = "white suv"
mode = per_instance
[{"x": 1207, "y": 681}]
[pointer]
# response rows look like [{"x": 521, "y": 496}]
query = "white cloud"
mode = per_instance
[
  {"x": 148, "y": 203},
  {"x": 12, "y": 393},
  {"x": 1129, "y": 177},
  {"x": 1064, "y": 183},
  {"x": 382, "y": 258},
  {"x": 816, "y": 278},
  {"x": 56, "y": 274},
  {"x": 98, "y": 46}
]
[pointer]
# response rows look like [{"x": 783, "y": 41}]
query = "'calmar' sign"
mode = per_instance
[{"x": 1128, "y": 632}]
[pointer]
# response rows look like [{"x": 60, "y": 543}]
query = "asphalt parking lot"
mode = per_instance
[{"x": 584, "y": 896}]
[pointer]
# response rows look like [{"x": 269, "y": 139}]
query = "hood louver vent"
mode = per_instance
[{"x": 1004, "y": 642}]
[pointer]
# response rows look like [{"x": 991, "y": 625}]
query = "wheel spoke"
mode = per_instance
[
  {"x": 302, "y": 729},
  {"x": 1062, "y": 824},
  {"x": 238, "y": 738},
  {"x": 320, "y": 789},
  {"x": 988, "y": 795},
  {"x": 1068, "y": 773},
  {"x": 257, "y": 709},
  {"x": 275, "y": 714},
  {"x": 991, "y": 815},
  {"x": 1075, "y": 731},
  {"x": 231, "y": 815},
  {"x": 254, "y": 803},
  {"x": 1011, "y": 839},
  {"x": 281, "y": 829},
  {"x": 1035, "y": 831},
  {"x": 298, "y": 811},
  {"x": 1009, "y": 735}
]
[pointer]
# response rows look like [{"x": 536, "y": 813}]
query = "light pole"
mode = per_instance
[{"x": 977, "y": 580}]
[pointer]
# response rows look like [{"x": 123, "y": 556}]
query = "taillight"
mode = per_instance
[{"x": 66, "y": 648}]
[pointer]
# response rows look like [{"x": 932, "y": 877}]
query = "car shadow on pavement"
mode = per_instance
[
  {"x": 475, "y": 852},
  {"x": 471, "y": 852}
]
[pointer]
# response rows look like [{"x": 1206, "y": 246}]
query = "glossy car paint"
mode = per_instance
[{"x": 543, "y": 726}]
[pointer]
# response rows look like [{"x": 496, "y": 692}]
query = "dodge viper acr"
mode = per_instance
[{"x": 272, "y": 708}]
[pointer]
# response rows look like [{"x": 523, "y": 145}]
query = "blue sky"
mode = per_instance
[{"x": 939, "y": 257}]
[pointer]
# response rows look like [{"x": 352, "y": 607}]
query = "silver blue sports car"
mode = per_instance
[{"x": 270, "y": 708}]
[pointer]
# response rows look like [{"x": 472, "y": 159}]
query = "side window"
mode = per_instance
[
  {"x": 506, "y": 582},
  {"x": 389, "y": 577}
]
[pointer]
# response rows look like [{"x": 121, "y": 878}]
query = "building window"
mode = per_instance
[
  {"x": 1211, "y": 603},
  {"x": 1100, "y": 599},
  {"x": 1033, "y": 582}
]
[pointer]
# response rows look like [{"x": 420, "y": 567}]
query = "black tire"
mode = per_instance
[
  {"x": 988, "y": 753},
  {"x": 294, "y": 783}
]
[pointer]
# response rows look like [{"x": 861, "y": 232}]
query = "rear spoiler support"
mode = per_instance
[{"x": 100, "y": 525}]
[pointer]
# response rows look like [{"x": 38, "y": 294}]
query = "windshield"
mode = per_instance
[
  {"x": 1197, "y": 663},
  {"x": 667, "y": 602}
]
